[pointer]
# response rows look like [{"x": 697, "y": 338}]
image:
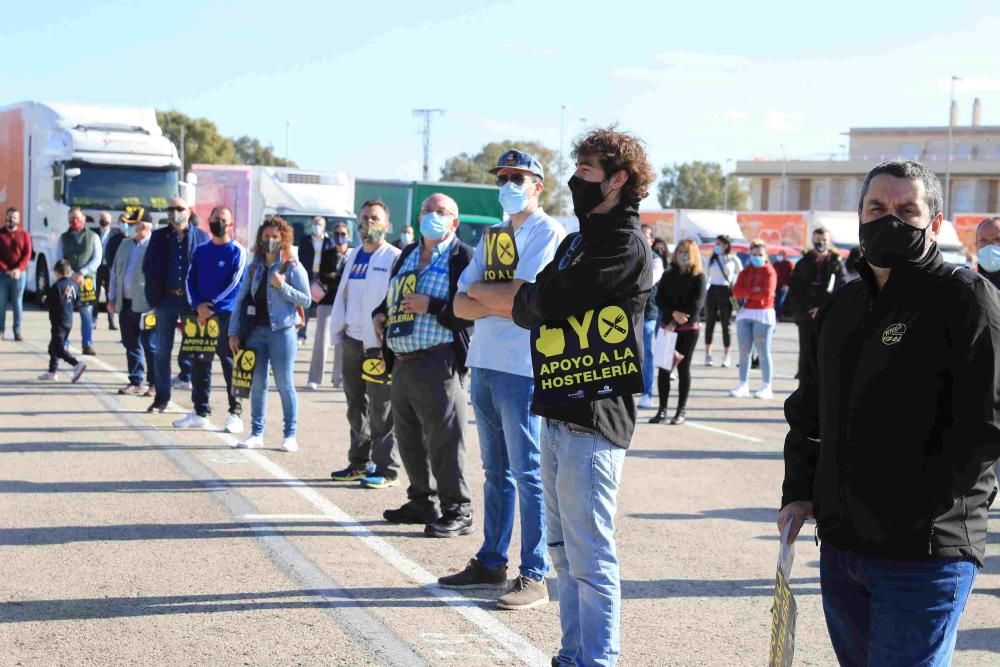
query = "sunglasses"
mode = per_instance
[
  {"x": 516, "y": 179},
  {"x": 176, "y": 209}
]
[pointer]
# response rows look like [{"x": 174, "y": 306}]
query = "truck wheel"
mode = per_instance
[{"x": 42, "y": 282}]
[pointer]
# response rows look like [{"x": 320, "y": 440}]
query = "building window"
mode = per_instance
[
  {"x": 961, "y": 198},
  {"x": 909, "y": 151},
  {"x": 962, "y": 152}
]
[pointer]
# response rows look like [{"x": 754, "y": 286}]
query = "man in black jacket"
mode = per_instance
[
  {"x": 815, "y": 277},
  {"x": 424, "y": 346},
  {"x": 894, "y": 430},
  {"x": 585, "y": 312}
]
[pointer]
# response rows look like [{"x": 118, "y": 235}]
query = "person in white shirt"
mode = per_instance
[{"x": 723, "y": 268}]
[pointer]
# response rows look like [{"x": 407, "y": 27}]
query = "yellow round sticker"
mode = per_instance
[
  {"x": 506, "y": 252},
  {"x": 213, "y": 329},
  {"x": 373, "y": 367},
  {"x": 409, "y": 284},
  {"x": 247, "y": 360},
  {"x": 612, "y": 324},
  {"x": 88, "y": 283},
  {"x": 190, "y": 328}
]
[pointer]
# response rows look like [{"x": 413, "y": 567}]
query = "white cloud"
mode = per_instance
[{"x": 782, "y": 121}]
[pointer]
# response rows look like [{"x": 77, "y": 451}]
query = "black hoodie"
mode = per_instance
[
  {"x": 613, "y": 262},
  {"x": 896, "y": 421}
]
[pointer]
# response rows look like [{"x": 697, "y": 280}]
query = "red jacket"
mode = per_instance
[
  {"x": 756, "y": 286},
  {"x": 15, "y": 249},
  {"x": 784, "y": 271}
]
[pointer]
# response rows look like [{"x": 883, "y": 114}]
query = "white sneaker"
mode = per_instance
[
  {"x": 178, "y": 383},
  {"x": 313, "y": 386},
  {"x": 49, "y": 377},
  {"x": 726, "y": 361},
  {"x": 646, "y": 401},
  {"x": 78, "y": 371},
  {"x": 192, "y": 420},
  {"x": 234, "y": 424},
  {"x": 764, "y": 393},
  {"x": 708, "y": 360},
  {"x": 290, "y": 445},
  {"x": 742, "y": 391},
  {"x": 251, "y": 442}
]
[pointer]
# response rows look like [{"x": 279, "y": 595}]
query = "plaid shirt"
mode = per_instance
[{"x": 432, "y": 281}]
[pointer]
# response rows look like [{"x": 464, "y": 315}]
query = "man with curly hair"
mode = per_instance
[{"x": 605, "y": 268}]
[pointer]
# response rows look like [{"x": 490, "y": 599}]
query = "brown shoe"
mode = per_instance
[
  {"x": 130, "y": 390},
  {"x": 150, "y": 390},
  {"x": 89, "y": 351},
  {"x": 526, "y": 593}
]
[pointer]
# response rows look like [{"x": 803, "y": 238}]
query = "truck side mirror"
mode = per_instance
[
  {"x": 192, "y": 178},
  {"x": 187, "y": 192},
  {"x": 72, "y": 172}
]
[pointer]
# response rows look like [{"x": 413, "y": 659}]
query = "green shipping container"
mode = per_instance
[{"x": 478, "y": 205}]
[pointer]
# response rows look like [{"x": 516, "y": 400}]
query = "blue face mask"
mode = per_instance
[
  {"x": 989, "y": 258},
  {"x": 434, "y": 225},
  {"x": 340, "y": 238},
  {"x": 513, "y": 198},
  {"x": 757, "y": 260},
  {"x": 717, "y": 250}
]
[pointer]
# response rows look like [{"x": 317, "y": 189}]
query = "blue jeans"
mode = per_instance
[
  {"x": 12, "y": 292},
  {"x": 780, "y": 296},
  {"x": 87, "y": 325},
  {"x": 751, "y": 334},
  {"x": 166, "y": 326},
  {"x": 508, "y": 443},
  {"x": 887, "y": 612},
  {"x": 278, "y": 348},
  {"x": 648, "y": 369},
  {"x": 140, "y": 346},
  {"x": 580, "y": 472}
]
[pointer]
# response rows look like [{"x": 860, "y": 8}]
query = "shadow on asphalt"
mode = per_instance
[
  {"x": 44, "y": 536},
  {"x": 979, "y": 639},
  {"x": 686, "y": 454},
  {"x": 153, "y": 486},
  {"x": 29, "y": 447},
  {"x": 712, "y": 588},
  {"x": 753, "y": 514}
]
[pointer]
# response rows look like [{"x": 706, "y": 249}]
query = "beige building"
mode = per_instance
[{"x": 835, "y": 184}]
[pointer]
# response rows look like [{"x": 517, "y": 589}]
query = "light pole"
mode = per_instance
[
  {"x": 427, "y": 113},
  {"x": 784, "y": 177},
  {"x": 725, "y": 186},
  {"x": 947, "y": 157}
]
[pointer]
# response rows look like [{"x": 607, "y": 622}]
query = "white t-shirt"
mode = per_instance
[{"x": 357, "y": 319}]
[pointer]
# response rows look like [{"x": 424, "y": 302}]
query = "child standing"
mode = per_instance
[{"x": 63, "y": 299}]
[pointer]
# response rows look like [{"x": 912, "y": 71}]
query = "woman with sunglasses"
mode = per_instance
[{"x": 679, "y": 297}]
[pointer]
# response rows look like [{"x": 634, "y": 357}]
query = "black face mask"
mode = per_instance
[
  {"x": 587, "y": 195},
  {"x": 820, "y": 246},
  {"x": 889, "y": 242},
  {"x": 217, "y": 227}
]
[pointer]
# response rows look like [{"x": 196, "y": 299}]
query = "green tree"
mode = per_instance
[
  {"x": 251, "y": 151},
  {"x": 700, "y": 185},
  {"x": 465, "y": 168}
]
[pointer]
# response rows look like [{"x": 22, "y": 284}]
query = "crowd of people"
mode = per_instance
[{"x": 898, "y": 393}]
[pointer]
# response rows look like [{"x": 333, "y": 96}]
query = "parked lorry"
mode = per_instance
[
  {"x": 478, "y": 205},
  {"x": 254, "y": 192},
  {"x": 56, "y": 156}
]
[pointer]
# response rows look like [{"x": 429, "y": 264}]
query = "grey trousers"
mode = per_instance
[
  {"x": 428, "y": 409},
  {"x": 321, "y": 345},
  {"x": 370, "y": 416}
]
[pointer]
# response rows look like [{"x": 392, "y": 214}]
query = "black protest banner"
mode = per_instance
[
  {"x": 199, "y": 340},
  {"x": 373, "y": 368},
  {"x": 243, "y": 366},
  {"x": 587, "y": 357},
  {"x": 500, "y": 254},
  {"x": 88, "y": 290},
  {"x": 398, "y": 323},
  {"x": 783, "y": 614},
  {"x": 148, "y": 322}
]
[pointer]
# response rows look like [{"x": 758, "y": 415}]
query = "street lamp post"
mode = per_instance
[{"x": 947, "y": 157}]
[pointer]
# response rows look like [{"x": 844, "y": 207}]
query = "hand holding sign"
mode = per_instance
[
  {"x": 551, "y": 342},
  {"x": 416, "y": 303}
]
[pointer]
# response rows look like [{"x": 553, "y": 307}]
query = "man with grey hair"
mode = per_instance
[
  {"x": 127, "y": 298},
  {"x": 425, "y": 345},
  {"x": 894, "y": 431}
]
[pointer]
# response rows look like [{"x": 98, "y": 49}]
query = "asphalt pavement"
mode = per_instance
[{"x": 126, "y": 541}]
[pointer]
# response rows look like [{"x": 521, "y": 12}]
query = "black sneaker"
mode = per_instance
[
  {"x": 157, "y": 407},
  {"x": 410, "y": 515},
  {"x": 18, "y": 337},
  {"x": 450, "y": 525},
  {"x": 476, "y": 575}
]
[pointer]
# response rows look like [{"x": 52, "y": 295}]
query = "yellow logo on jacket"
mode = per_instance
[{"x": 893, "y": 334}]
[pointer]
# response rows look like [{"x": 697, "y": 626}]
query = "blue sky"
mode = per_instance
[{"x": 694, "y": 80}]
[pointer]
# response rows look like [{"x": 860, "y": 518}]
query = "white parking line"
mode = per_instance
[
  {"x": 703, "y": 427},
  {"x": 515, "y": 644}
]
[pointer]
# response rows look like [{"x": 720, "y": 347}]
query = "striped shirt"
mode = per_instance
[{"x": 432, "y": 281}]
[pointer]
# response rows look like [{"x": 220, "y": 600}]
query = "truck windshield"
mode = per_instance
[{"x": 114, "y": 188}]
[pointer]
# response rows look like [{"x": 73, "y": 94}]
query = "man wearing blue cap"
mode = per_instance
[{"x": 509, "y": 255}]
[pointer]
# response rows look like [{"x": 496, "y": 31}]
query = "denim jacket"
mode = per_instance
[{"x": 281, "y": 302}]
